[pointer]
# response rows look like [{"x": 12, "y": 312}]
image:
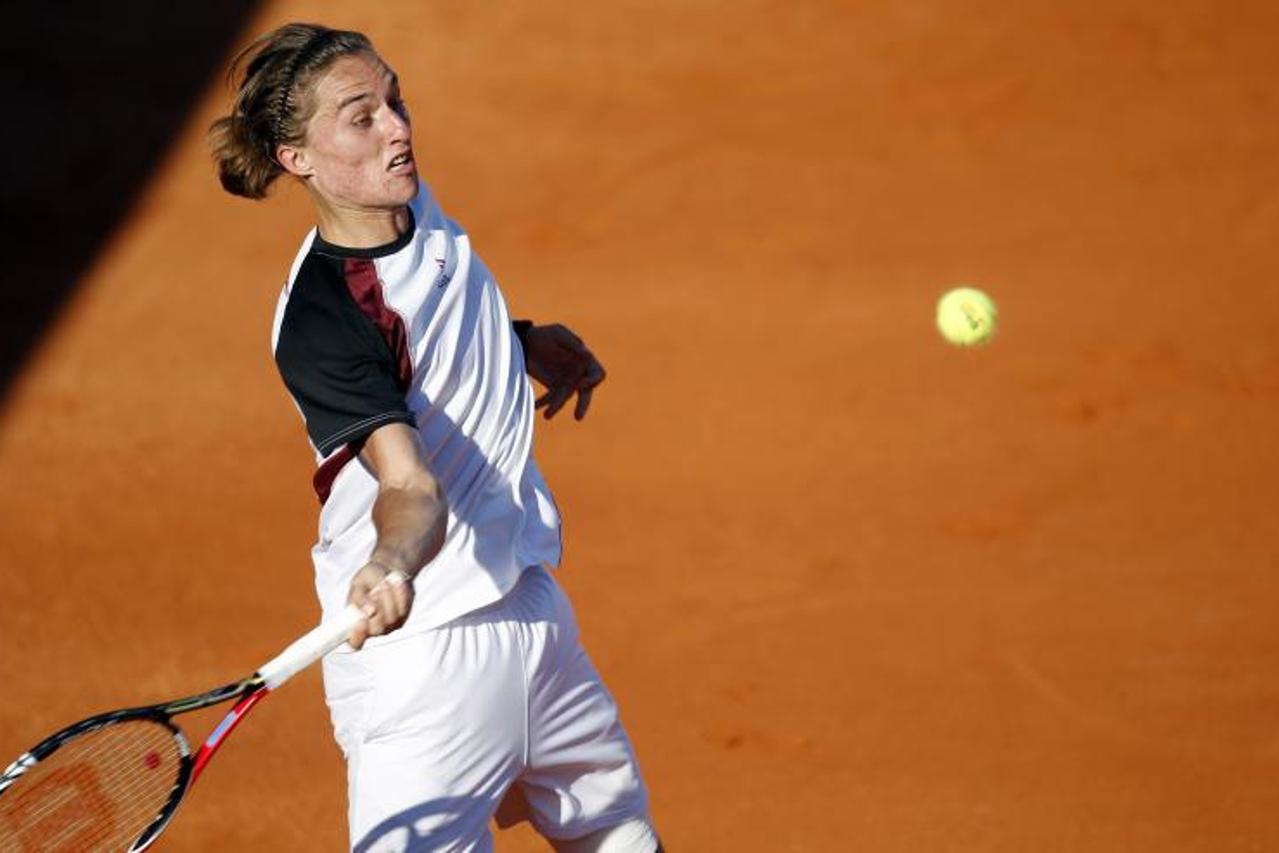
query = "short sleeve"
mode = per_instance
[{"x": 336, "y": 365}]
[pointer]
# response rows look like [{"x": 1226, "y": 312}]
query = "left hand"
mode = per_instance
[{"x": 559, "y": 360}]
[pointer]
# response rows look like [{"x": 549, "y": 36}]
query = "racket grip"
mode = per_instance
[{"x": 308, "y": 649}]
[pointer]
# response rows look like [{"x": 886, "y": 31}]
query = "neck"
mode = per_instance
[{"x": 358, "y": 228}]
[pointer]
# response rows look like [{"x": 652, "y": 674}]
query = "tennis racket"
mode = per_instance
[{"x": 113, "y": 782}]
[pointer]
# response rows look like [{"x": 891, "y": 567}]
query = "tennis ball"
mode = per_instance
[{"x": 966, "y": 316}]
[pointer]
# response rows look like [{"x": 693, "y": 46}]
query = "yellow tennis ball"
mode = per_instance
[{"x": 966, "y": 316}]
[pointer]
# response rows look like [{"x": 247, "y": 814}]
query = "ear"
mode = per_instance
[{"x": 294, "y": 160}]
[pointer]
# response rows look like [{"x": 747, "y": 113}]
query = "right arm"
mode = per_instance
[{"x": 410, "y": 515}]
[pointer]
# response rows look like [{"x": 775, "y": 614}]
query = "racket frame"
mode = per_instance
[
  {"x": 250, "y": 691},
  {"x": 247, "y": 692}
]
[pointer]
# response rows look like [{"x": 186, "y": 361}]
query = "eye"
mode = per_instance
[
  {"x": 400, "y": 106},
  {"x": 363, "y": 120}
]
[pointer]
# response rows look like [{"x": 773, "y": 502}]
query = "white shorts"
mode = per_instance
[{"x": 437, "y": 726}]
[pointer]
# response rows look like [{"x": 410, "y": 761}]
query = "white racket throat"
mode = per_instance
[{"x": 308, "y": 649}]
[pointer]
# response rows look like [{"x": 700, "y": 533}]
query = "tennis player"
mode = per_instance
[{"x": 468, "y": 688}]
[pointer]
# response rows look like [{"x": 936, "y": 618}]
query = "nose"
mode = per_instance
[{"x": 397, "y": 124}]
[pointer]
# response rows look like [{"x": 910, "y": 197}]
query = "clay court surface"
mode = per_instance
[{"x": 853, "y": 588}]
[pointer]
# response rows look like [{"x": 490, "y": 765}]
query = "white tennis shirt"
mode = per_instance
[{"x": 417, "y": 332}]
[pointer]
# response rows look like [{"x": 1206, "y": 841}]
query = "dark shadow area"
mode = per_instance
[
  {"x": 92, "y": 98},
  {"x": 449, "y": 818}
]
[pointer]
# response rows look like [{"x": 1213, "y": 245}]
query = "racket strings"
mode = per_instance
[{"x": 99, "y": 791}]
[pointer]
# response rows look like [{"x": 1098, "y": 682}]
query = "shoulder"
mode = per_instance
[
  {"x": 318, "y": 281},
  {"x": 319, "y": 315}
]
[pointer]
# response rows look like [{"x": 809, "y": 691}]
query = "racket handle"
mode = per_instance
[{"x": 308, "y": 649}]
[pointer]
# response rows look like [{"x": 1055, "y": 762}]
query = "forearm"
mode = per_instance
[{"x": 410, "y": 521}]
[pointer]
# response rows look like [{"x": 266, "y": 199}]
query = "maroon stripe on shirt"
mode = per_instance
[
  {"x": 329, "y": 469},
  {"x": 366, "y": 290}
]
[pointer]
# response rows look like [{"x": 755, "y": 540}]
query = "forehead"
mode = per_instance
[{"x": 351, "y": 76}]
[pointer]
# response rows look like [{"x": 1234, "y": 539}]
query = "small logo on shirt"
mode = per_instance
[{"x": 440, "y": 278}]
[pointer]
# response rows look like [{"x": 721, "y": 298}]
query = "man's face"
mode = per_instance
[{"x": 358, "y": 151}]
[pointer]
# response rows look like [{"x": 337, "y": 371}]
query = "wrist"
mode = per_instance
[
  {"x": 390, "y": 566},
  {"x": 522, "y": 328}
]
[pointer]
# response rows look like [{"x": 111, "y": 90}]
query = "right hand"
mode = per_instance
[{"x": 384, "y": 595}]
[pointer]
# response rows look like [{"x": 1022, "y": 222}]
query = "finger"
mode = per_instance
[
  {"x": 366, "y": 598},
  {"x": 395, "y": 594},
  {"x": 377, "y": 622},
  {"x": 557, "y": 398},
  {"x": 583, "y": 403},
  {"x": 390, "y": 598},
  {"x": 358, "y": 635},
  {"x": 586, "y": 386},
  {"x": 403, "y": 603},
  {"x": 594, "y": 374},
  {"x": 359, "y": 596}
]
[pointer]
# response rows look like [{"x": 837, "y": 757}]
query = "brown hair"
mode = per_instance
[{"x": 271, "y": 104}]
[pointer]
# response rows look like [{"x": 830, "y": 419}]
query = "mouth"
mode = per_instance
[{"x": 401, "y": 163}]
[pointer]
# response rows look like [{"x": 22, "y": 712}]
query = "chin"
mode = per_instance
[
  {"x": 402, "y": 190},
  {"x": 410, "y": 187}
]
